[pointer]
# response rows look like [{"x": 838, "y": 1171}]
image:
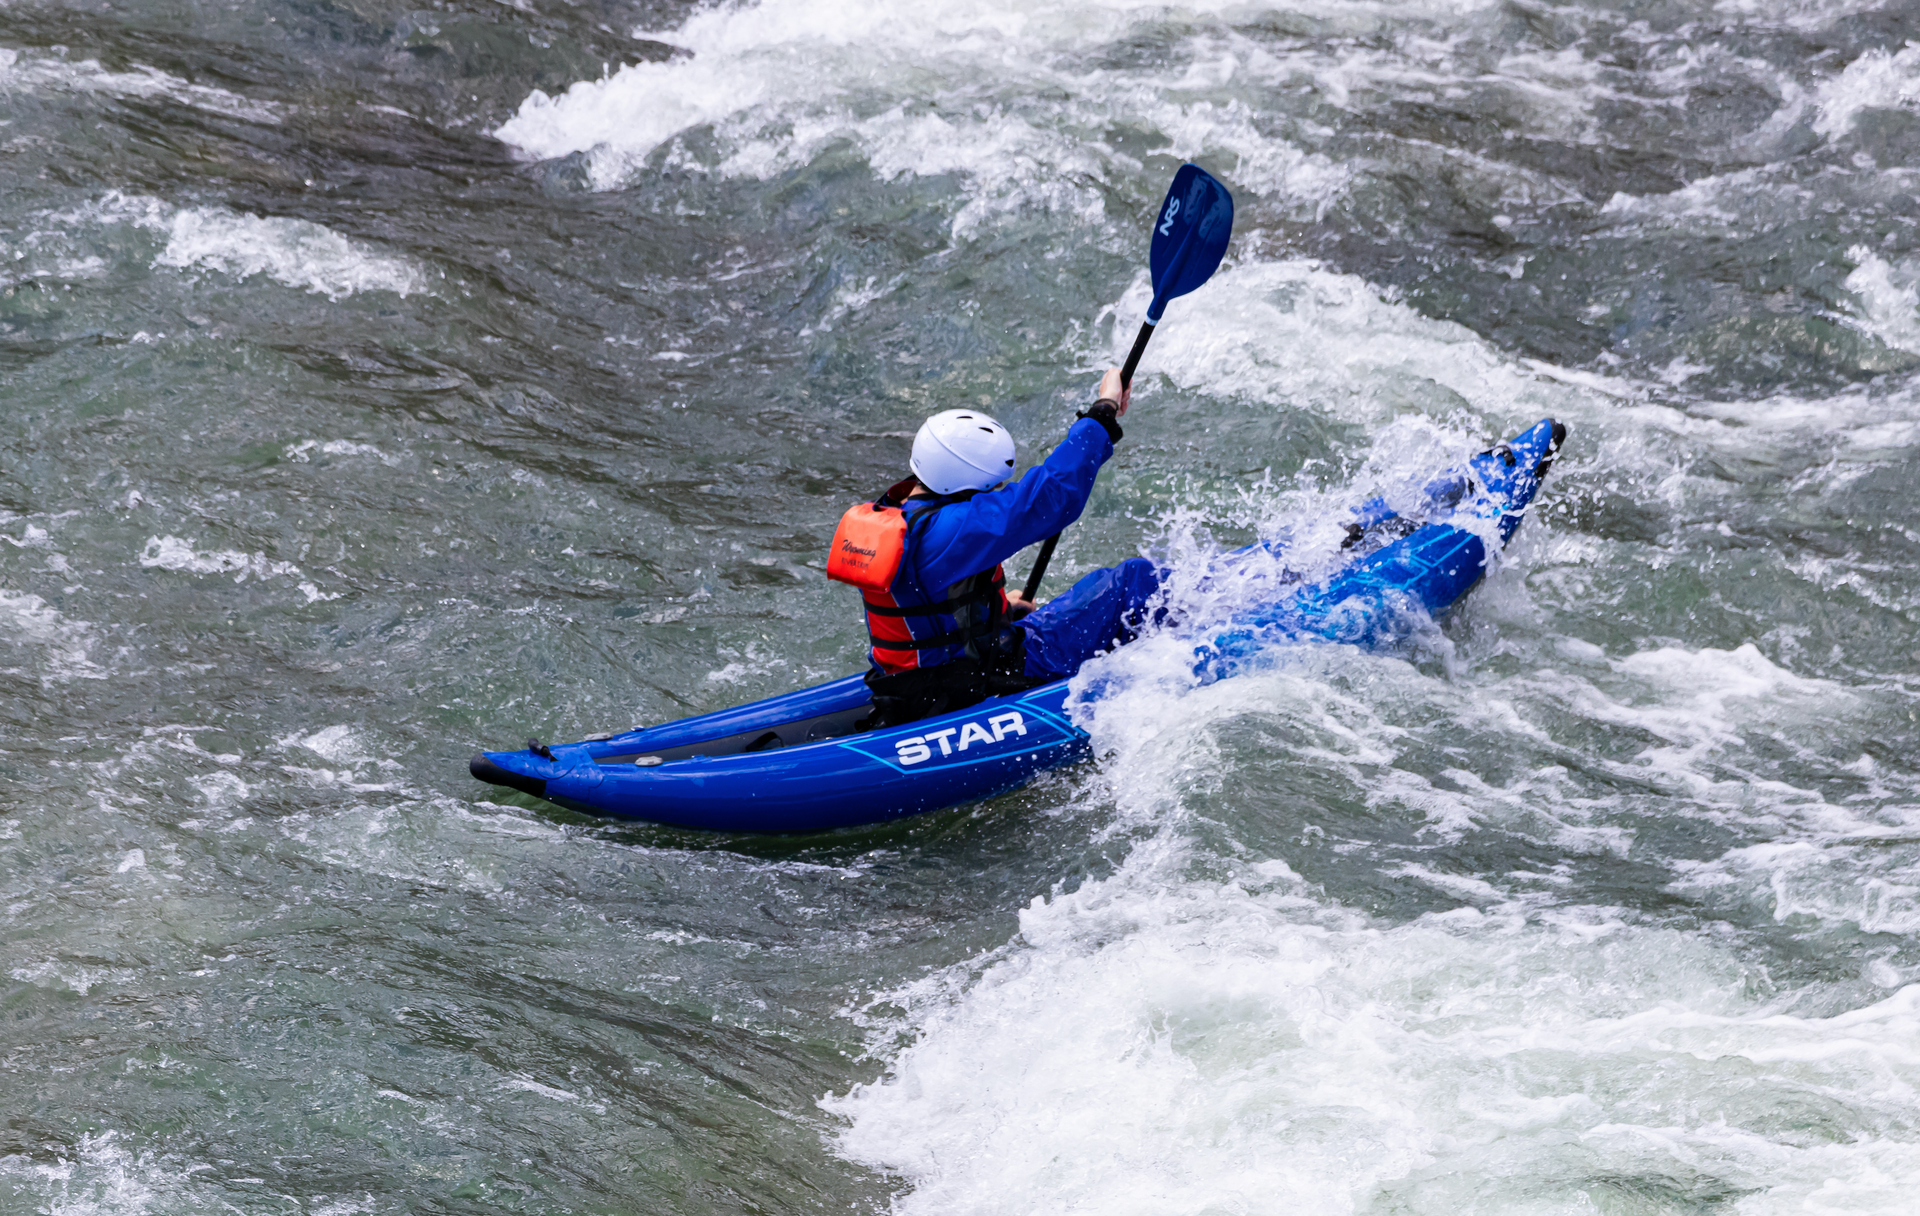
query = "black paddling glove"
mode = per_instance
[{"x": 1106, "y": 412}]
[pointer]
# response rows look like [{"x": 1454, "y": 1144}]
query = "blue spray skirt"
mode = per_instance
[{"x": 798, "y": 762}]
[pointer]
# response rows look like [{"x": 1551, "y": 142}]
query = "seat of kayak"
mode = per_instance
[{"x": 835, "y": 725}]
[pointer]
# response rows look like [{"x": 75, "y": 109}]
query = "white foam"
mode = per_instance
[
  {"x": 80, "y": 978},
  {"x": 1017, "y": 100},
  {"x": 44, "y": 74},
  {"x": 1742, "y": 203},
  {"x": 101, "y": 1179},
  {"x": 341, "y": 744},
  {"x": 1859, "y": 425},
  {"x": 420, "y": 838},
  {"x": 173, "y": 553},
  {"x": 100, "y": 1176},
  {"x": 1156, "y": 1043},
  {"x": 59, "y": 648},
  {"x": 302, "y": 452},
  {"x": 527, "y": 1085},
  {"x": 1700, "y": 703},
  {"x": 222, "y": 790},
  {"x": 1170, "y": 1039},
  {"x": 1876, "y": 80},
  {"x": 752, "y": 663},
  {"x": 1865, "y": 882},
  {"x": 848, "y": 299},
  {"x": 1020, "y": 83},
  {"x": 1289, "y": 335},
  {"x": 1799, "y": 14},
  {"x": 294, "y": 252},
  {"x": 1889, "y": 298}
]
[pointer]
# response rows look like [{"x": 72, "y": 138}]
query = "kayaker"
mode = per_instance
[{"x": 944, "y": 633}]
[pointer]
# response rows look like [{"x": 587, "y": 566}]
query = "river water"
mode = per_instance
[{"x": 382, "y": 383}]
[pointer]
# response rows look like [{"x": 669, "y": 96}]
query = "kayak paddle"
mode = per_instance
[{"x": 1190, "y": 234}]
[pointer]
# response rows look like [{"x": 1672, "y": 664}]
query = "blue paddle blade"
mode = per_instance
[{"x": 1189, "y": 236}]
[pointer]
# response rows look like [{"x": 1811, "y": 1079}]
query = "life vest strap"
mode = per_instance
[
  {"x": 955, "y": 638},
  {"x": 984, "y": 595}
]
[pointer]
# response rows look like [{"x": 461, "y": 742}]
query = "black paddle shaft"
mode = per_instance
[{"x": 1126, "y": 382}]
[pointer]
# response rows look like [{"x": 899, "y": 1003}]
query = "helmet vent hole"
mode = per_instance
[
  {"x": 1009, "y": 464},
  {"x": 987, "y": 429}
]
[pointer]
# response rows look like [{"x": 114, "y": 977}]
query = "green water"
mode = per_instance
[{"x": 360, "y": 412}]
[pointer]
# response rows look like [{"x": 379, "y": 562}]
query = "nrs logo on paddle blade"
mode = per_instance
[{"x": 1196, "y": 222}]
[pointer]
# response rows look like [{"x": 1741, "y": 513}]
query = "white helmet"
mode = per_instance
[{"x": 961, "y": 450}]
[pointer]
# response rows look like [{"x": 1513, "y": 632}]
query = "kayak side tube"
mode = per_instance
[{"x": 989, "y": 748}]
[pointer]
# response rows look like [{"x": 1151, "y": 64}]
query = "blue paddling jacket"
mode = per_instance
[{"x": 949, "y": 596}]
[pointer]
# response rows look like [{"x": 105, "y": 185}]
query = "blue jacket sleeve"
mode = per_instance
[{"x": 987, "y": 529}]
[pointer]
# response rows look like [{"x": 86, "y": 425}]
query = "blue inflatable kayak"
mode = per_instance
[{"x": 801, "y": 762}]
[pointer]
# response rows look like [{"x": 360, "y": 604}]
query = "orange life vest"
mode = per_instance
[{"x": 869, "y": 551}]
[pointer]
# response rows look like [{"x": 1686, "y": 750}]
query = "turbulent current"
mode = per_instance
[{"x": 380, "y": 383}]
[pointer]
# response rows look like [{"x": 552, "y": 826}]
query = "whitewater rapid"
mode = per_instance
[{"x": 388, "y": 383}]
